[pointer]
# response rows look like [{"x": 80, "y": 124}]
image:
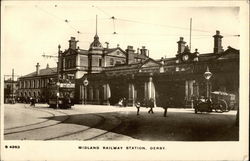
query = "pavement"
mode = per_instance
[{"x": 99, "y": 122}]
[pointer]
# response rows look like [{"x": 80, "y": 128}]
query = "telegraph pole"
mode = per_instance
[
  {"x": 58, "y": 77},
  {"x": 12, "y": 85},
  {"x": 12, "y": 81},
  {"x": 190, "y": 33}
]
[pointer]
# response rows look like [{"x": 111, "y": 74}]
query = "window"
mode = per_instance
[
  {"x": 100, "y": 62},
  {"x": 111, "y": 61},
  {"x": 118, "y": 62},
  {"x": 69, "y": 65}
]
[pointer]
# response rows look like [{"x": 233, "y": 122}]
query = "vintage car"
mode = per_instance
[{"x": 219, "y": 102}]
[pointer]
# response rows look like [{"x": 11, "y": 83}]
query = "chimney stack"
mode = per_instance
[
  {"x": 47, "y": 67},
  {"x": 37, "y": 69},
  {"x": 72, "y": 43},
  {"x": 181, "y": 45},
  {"x": 130, "y": 54},
  {"x": 144, "y": 51},
  {"x": 107, "y": 44},
  {"x": 218, "y": 43}
]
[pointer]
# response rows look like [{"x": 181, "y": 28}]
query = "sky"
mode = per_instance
[{"x": 32, "y": 29}]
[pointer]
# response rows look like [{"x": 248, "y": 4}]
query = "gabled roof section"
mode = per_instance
[
  {"x": 149, "y": 63},
  {"x": 230, "y": 53},
  {"x": 76, "y": 51},
  {"x": 43, "y": 72},
  {"x": 112, "y": 51}
]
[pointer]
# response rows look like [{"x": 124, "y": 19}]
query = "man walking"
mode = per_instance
[
  {"x": 138, "y": 105},
  {"x": 151, "y": 105},
  {"x": 166, "y": 105}
]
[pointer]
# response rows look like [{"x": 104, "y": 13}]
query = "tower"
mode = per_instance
[
  {"x": 95, "y": 54},
  {"x": 218, "y": 43}
]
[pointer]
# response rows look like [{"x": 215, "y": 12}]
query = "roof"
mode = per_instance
[
  {"x": 230, "y": 53},
  {"x": 43, "y": 72},
  {"x": 96, "y": 43},
  {"x": 110, "y": 50},
  {"x": 81, "y": 51}
]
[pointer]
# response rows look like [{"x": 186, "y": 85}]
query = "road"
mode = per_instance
[{"x": 97, "y": 122}]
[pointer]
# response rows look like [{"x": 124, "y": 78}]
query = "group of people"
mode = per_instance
[
  {"x": 122, "y": 102},
  {"x": 150, "y": 104}
]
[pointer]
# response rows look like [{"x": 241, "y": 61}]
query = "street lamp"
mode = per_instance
[
  {"x": 207, "y": 76},
  {"x": 85, "y": 84}
]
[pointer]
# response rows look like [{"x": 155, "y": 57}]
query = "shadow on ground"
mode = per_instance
[{"x": 177, "y": 126}]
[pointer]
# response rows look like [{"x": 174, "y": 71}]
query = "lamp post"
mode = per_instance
[
  {"x": 85, "y": 84},
  {"x": 207, "y": 76}
]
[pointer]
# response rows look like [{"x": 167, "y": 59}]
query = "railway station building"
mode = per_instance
[
  {"x": 103, "y": 75},
  {"x": 180, "y": 77}
]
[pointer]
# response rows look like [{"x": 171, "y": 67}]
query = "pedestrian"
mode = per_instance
[
  {"x": 138, "y": 105},
  {"x": 151, "y": 105},
  {"x": 124, "y": 102},
  {"x": 31, "y": 101},
  {"x": 165, "y": 107},
  {"x": 168, "y": 103},
  {"x": 120, "y": 102}
]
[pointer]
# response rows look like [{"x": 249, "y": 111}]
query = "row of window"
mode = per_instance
[
  {"x": 69, "y": 63},
  {"x": 30, "y": 94},
  {"x": 113, "y": 62},
  {"x": 37, "y": 83}
]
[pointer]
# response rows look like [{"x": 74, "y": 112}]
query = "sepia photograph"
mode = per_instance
[{"x": 124, "y": 78}]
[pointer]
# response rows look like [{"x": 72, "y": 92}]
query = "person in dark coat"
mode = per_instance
[
  {"x": 33, "y": 102},
  {"x": 124, "y": 102},
  {"x": 168, "y": 103},
  {"x": 151, "y": 105},
  {"x": 138, "y": 105},
  {"x": 165, "y": 107}
]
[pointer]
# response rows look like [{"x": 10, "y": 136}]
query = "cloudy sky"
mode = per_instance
[{"x": 31, "y": 29}]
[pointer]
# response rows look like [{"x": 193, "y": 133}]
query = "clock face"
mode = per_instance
[{"x": 185, "y": 57}]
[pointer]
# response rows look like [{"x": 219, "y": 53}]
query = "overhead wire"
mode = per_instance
[
  {"x": 114, "y": 19},
  {"x": 59, "y": 18},
  {"x": 161, "y": 25},
  {"x": 107, "y": 14}
]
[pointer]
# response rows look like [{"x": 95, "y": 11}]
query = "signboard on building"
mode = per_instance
[{"x": 67, "y": 85}]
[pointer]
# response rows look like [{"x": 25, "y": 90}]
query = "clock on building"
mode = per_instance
[{"x": 185, "y": 57}]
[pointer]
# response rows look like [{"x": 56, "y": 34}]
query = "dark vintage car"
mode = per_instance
[{"x": 219, "y": 102}]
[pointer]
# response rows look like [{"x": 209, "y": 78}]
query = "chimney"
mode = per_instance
[
  {"x": 143, "y": 51},
  {"x": 37, "y": 69},
  {"x": 47, "y": 67},
  {"x": 218, "y": 43},
  {"x": 138, "y": 50},
  {"x": 72, "y": 43},
  {"x": 107, "y": 45},
  {"x": 181, "y": 45},
  {"x": 130, "y": 54}
]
